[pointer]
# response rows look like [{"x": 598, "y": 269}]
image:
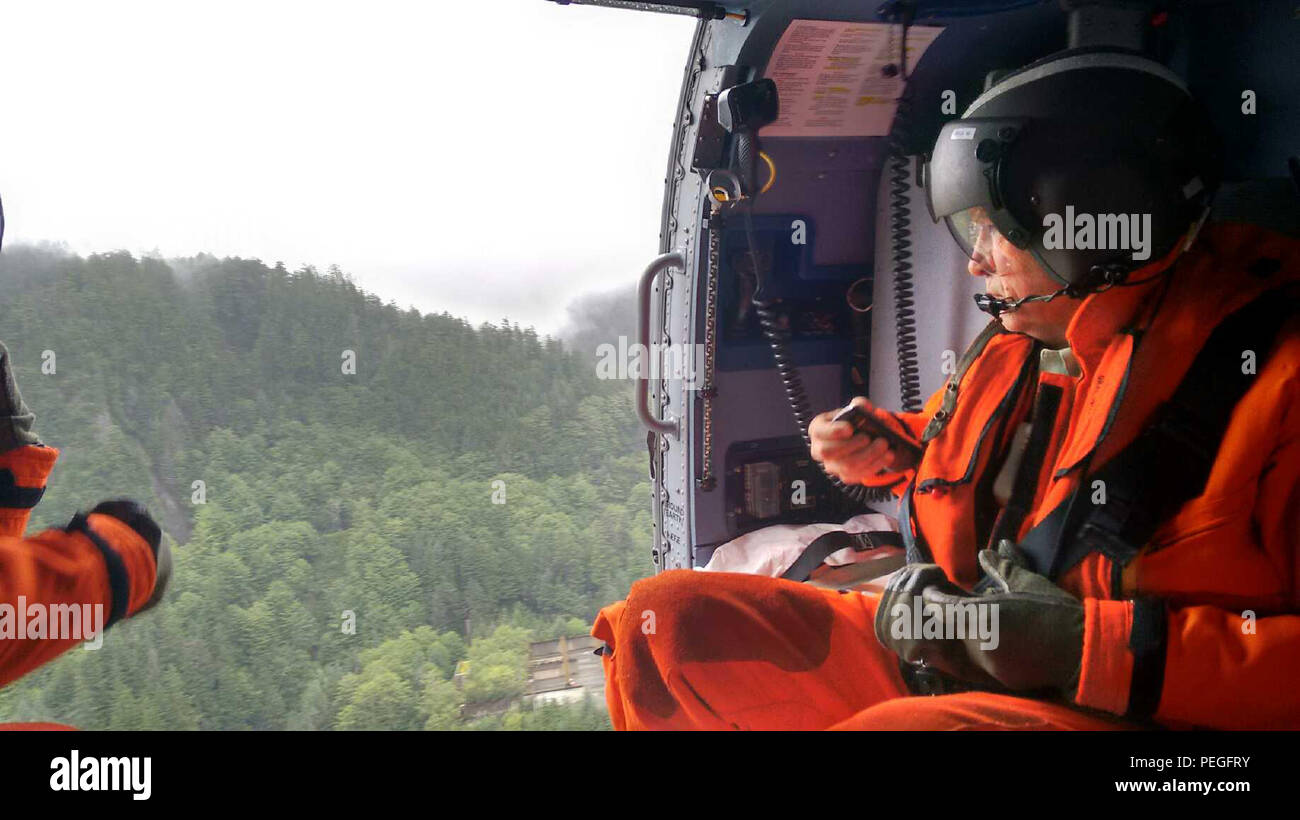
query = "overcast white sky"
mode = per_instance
[{"x": 489, "y": 157}]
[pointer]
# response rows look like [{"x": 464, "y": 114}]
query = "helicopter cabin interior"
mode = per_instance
[{"x": 836, "y": 282}]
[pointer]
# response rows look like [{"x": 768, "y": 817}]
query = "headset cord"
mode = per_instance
[
  {"x": 900, "y": 237},
  {"x": 778, "y": 339}
]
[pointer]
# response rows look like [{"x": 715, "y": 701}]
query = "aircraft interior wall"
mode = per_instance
[{"x": 840, "y": 190}]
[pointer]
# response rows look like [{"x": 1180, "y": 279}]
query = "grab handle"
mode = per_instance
[{"x": 668, "y": 425}]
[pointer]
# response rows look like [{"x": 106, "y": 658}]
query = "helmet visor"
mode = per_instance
[{"x": 974, "y": 231}]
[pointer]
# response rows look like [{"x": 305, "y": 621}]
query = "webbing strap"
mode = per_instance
[
  {"x": 829, "y": 543},
  {"x": 915, "y": 547},
  {"x": 1170, "y": 461},
  {"x": 1047, "y": 404},
  {"x": 950, "y": 390}
]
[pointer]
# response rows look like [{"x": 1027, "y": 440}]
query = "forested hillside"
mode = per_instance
[{"x": 313, "y": 452}]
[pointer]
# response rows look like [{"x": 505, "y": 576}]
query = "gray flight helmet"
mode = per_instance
[{"x": 1105, "y": 135}]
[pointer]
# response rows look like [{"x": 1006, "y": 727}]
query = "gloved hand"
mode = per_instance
[
  {"x": 15, "y": 419},
  {"x": 900, "y": 629},
  {"x": 1037, "y": 628},
  {"x": 135, "y": 516}
]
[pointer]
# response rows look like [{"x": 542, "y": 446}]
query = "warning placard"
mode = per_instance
[{"x": 831, "y": 80}]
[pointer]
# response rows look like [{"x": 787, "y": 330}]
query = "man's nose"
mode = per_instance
[{"x": 980, "y": 252}]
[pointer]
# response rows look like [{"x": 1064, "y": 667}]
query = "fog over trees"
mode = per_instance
[{"x": 460, "y": 491}]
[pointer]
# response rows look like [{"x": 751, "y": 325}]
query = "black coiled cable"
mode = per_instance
[
  {"x": 900, "y": 239},
  {"x": 778, "y": 339}
]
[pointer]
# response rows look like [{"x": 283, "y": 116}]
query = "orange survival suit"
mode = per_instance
[
  {"x": 723, "y": 650},
  {"x": 99, "y": 560}
]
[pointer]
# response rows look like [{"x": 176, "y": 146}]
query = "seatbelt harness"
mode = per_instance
[
  {"x": 830, "y": 543},
  {"x": 1047, "y": 404},
  {"x": 1170, "y": 462},
  {"x": 918, "y": 552}
]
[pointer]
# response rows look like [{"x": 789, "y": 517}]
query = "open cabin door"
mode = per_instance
[{"x": 726, "y": 455}]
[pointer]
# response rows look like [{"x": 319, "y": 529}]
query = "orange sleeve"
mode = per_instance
[
  {"x": 99, "y": 566},
  {"x": 23, "y": 472},
  {"x": 1221, "y": 677},
  {"x": 1215, "y": 674},
  {"x": 1107, "y": 666},
  {"x": 1252, "y": 663},
  {"x": 1209, "y": 666}
]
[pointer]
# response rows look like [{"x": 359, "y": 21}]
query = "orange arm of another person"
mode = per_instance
[{"x": 58, "y": 569}]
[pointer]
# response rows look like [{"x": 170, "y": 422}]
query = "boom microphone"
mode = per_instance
[{"x": 996, "y": 306}]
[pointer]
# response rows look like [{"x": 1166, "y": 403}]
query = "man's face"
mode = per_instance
[{"x": 1012, "y": 273}]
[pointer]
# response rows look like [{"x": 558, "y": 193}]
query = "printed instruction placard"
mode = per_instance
[{"x": 830, "y": 79}]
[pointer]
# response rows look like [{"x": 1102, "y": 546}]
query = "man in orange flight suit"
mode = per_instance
[
  {"x": 1199, "y": 626},
  {"x": 112, "y": 559}
]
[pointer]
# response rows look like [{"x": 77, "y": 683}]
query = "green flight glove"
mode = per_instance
[{"x": 1021, "y": 633}]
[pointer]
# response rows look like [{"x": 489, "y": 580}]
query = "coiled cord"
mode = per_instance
[
  {"x": 778, "y": 339},
  {"x": 900, "y": 240}
]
